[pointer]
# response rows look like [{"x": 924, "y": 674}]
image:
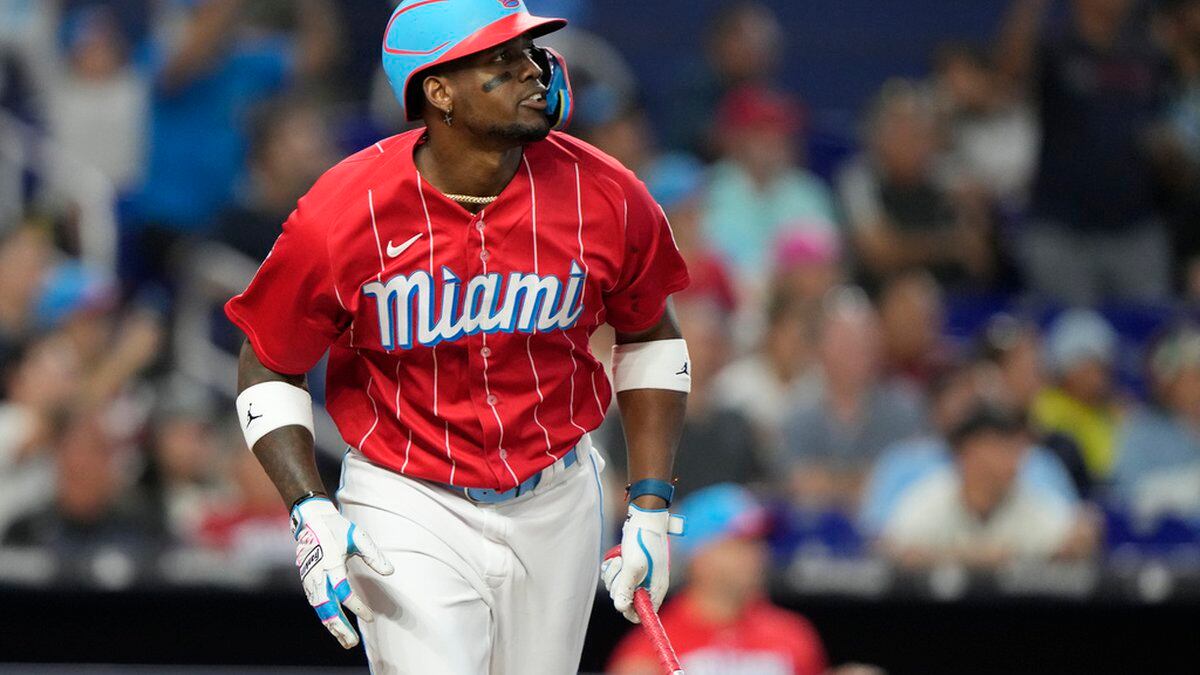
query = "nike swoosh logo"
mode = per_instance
[{"x": 394, "y": 251}]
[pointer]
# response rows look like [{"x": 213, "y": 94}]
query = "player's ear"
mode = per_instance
[{"x": 438, "y": 93}]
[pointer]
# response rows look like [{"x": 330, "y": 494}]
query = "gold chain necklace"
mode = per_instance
[{"x": 471, "y": 199}]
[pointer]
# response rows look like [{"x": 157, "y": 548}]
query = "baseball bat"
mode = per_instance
[
  {"x": 654, "y": 630},
  {"x": 644, "y": 607}
]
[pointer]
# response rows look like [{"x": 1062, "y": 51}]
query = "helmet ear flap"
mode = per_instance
[{"x": 558, "y": 86}]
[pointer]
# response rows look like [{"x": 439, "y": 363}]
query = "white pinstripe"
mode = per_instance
[
  {"x": 487, "y": 389},
  {"x": 529, "y": 338},
  {"x": 380, "y": 147},
  {"x": 398, "y": 362},
  {"x": 429, "y": 228},
  {"x": 406, "y": 449},
  {"x": 582, "y": 261},
  {"x": 596, "y": 318},
  {"x": 574, "y": 367},
  {"x": 374, "y": 407},
  {"x": 453, "y": 466},
  {"x": 378, "y": 245}
]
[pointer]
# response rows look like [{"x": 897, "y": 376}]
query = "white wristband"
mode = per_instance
[
  {"x": 658, "y": 364},
  {"x": 267, "y": 406}
]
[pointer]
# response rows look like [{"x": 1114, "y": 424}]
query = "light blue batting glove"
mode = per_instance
[{"x": 324, "y": 541}]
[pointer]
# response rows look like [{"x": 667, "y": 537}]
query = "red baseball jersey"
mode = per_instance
[
  {"x": 764, "y": 640},
  {"x": 458, "y": 342}
]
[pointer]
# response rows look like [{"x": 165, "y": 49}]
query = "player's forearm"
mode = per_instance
[
  {"x": 286, "y": 454},
  {"x": 653, "y": 419}
]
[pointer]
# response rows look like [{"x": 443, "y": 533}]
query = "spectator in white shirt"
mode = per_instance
[{"x": 977, "y": 513}]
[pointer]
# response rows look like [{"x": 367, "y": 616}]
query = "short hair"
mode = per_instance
[{"x": 985, "y": 418}]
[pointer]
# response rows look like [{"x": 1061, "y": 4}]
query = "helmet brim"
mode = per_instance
[{"x": 495, "y": 33}]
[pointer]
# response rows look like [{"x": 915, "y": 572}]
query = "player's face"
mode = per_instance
[{"x": 497, "y": 94}]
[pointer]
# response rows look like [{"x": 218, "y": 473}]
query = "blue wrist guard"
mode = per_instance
[{"x": 651, "y": 486}]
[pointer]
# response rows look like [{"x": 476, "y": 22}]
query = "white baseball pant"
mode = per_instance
[{"x": 495, "y": 589}]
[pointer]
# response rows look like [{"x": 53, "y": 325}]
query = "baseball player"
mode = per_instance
[{"x": 455, "y": 273}]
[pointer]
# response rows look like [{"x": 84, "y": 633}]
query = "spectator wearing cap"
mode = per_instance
[
  {"x": 616, "y": 126},
  {"x": 977, "y": 512},
  {"x": 1081, "y": 346},
  {"x": 678, "y": 182},
  {"x": 807, "y": 265},
  {"x": 1009, "y": 368},
  {"x": 721, "y": 621},
  {"x": 1157, "y": 471},
  {"x": 905, "y": 208},
  {"x": 744, "y": 47},
  {"x": 759, "y": 189},
  {"x": 81, "y": 303}
]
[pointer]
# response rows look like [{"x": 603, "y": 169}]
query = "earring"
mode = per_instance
[{"x": 449, "y": 118}]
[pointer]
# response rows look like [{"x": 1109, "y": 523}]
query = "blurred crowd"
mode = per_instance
[{"x": 969, "y": 339}]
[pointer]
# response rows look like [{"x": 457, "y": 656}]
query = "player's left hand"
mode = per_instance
[
  {"x": 643, "y": 560},
  {"x": 325, "y": 540}
]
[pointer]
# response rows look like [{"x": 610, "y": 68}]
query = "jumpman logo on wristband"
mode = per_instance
[
  {"x": 684, "y": 370},
  {"x": 250, "y": 416}
]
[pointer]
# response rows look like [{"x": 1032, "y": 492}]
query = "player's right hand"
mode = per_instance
[{"x": 324, "y": 541}]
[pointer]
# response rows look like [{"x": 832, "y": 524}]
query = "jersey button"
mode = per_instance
[
  {"x": 503, "y": 454},
  {"x": 483, "y": 255},
  {"x": 492, "y": 400},
  {"x": 485, "y": 352},
  {"x": 479, "y": 226}
]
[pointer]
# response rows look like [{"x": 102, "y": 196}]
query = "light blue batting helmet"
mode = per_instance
[{"x": 425, "y": 33}]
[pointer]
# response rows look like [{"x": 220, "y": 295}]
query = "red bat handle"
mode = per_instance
[
  {"x": 653, "y": 627},
  {"x": 654, "y": 630}
]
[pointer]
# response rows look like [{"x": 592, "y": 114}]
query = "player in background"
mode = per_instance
[
  {"x": 455, "y": 273},
  {"x": 722, "y": 622}
]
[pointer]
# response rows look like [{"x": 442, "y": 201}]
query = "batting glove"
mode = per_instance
[
  {"x": 644, "y": 560},
  {"x": 324, "y": 541}
]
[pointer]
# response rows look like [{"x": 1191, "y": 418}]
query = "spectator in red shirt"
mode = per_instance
[{"x": 722, "y": 621}]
